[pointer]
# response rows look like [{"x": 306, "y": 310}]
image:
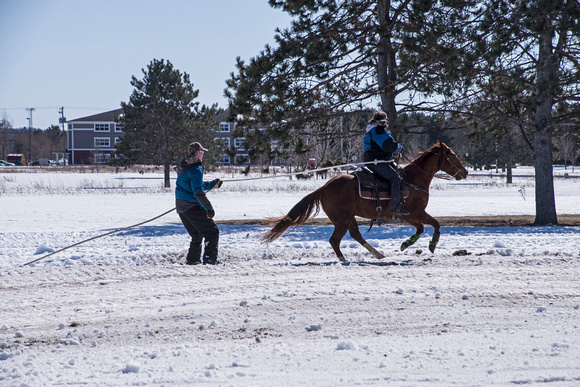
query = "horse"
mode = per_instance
[{"x": 341, "y": 202}]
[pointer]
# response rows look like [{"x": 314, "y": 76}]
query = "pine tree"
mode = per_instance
[
  {"x": 344, "y": 57},
  {"x": 161, "y": 117},
  {"x": 527, "y": 76}
]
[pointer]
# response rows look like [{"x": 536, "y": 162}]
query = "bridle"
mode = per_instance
[
  {"x": 457, "y": 170},
  {"x": 441, "y": 161}
]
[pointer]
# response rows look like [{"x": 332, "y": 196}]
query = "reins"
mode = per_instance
[{"x": 225, "y": 181}]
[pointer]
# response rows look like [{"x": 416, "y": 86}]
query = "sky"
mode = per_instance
[{"x": 81, "y": 55}]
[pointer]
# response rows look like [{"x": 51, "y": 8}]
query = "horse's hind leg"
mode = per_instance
[
  {"x": 335, "y": 238},
  {"x": 356, "y": 235}
]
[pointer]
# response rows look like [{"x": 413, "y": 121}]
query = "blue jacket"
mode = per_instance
[
  {"x": 190, "y": 185},
  {"x": 379, "y": 144}
]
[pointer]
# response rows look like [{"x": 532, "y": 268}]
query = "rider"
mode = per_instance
[{"x": 379, "y": 144}]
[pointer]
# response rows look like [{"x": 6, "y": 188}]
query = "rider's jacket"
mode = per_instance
[{"x": 379, "y": 144}]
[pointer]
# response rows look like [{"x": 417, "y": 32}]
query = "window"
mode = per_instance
[
  {"x": 102, "y": 142},
  {"x": 101, "y": 127},
  {"x": 224, "y": 159},
  {"x": 118, "y": 127},
  {"x": 239, "y": 142},
  {"x": 102, "y": 158},
  {"x": 117, "y": 139},
  {"x": 223, "y": 140},
  {"x": 224, "y": 127}
]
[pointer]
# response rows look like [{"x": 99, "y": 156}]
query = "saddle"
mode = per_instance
[{"x": 374, "y": 187}]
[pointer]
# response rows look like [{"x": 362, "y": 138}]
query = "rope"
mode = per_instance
[
  {"x": 310, "y": 171},
  {"x": 99, "y": 236},
  {"x": 167, "y": 212}
]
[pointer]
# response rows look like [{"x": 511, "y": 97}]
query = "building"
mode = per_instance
[
  {"x": 92, "y": 139},
  {"x": 225, "y": 133}
]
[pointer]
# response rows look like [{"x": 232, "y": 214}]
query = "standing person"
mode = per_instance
[
  {"x": 195, "y": 209},
  {"x": 379, "y": 144}
]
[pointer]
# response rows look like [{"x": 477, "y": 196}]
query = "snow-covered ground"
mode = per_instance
[{"x": 123, "y": 310}]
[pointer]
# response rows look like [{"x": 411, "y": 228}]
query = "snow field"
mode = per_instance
[{"x": 124, "y": 310}]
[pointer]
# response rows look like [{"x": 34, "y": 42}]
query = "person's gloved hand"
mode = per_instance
[
  {"x": 218, "y": 183},
  {"x": 210, "y": 213}
]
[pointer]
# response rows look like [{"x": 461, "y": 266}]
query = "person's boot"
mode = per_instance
[
  {"x": 210, "y": 261},
  {"x": 210, "y": 253},
  {"x": 401, "y": 211},
  {"x": 194, "y": 253}
]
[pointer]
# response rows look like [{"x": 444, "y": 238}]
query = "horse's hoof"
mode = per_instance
[
  {"x": 432, "y": 248},
  {"x": 404, "y": 245}
]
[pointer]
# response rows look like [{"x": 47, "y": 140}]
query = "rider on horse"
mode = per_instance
[{"x": 379, "y": 144}]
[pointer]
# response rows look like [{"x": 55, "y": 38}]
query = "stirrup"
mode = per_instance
[{"x": 379, "y": 210}]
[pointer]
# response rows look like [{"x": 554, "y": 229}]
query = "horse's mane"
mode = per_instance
[{"x": 425, "y": 155}]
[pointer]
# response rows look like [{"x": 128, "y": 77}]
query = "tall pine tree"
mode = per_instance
[
  {"x": 344, "y": 57},
  {"x": 161, "y": 117},
  {"x": 525, "y": 74}
]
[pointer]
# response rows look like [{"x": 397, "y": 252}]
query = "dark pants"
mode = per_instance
[
  {"x": 388, "y": 172},
  {"x": 200, "y": 227}
]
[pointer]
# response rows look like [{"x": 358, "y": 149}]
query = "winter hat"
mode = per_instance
[
  {"x": 194, "y": 147},
  {"x": 379, "y": 119}
]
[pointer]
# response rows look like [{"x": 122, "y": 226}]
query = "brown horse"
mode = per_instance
[{"x": 341, "y": 201}]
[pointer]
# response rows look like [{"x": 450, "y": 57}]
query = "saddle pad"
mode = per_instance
[
  {"x": 383, "y": 195},
  {"x": 369, "y": 194},
  {"x": 367, "y": 181}
]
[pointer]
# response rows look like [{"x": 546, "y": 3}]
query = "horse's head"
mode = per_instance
[{"x": 450, "y": 163}]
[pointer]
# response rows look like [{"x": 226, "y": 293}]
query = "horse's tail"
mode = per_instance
[{"x": 307, "y": 207}]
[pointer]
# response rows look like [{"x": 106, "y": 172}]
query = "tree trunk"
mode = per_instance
[
  {"x": 547, "y": 74},
  {"x": 386, "y": 64},
  {"x": 545, "y": 198},
  {"x": 166, "y": 169}
]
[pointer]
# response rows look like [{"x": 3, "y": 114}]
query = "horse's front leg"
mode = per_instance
[
  {"x": 415, "y": 237},
  {"x": 425, "y": 218},
  {"x": 434, "y": 241}
]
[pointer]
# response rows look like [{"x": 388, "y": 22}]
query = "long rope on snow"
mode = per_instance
[
  {"x": 225, "y": 181},
  {"x": 99, "y": 236}
]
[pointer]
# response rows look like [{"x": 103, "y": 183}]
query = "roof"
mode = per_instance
[
  {"x": 106, "y": 116},
  {"x": 223, "y": 116},
  {"x": 111, "y": 115}
]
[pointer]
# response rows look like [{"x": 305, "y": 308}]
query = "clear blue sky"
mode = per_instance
[{"x": 81, "y": 54}]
